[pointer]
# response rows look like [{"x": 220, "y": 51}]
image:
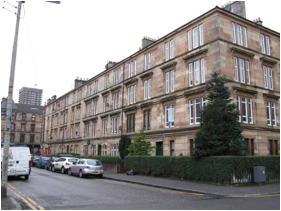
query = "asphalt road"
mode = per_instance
[{"x": 48, "y": 190}]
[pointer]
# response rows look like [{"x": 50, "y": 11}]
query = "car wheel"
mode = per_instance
[
  {"x": 69, "y": 172},
  {"x": 26, "y": 177},
  {"x": 62, "y": 170},
  {"x": 81, "y": 175},
  {"x": 53, "y": 169}
]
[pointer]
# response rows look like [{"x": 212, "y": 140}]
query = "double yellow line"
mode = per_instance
[{"x": 31, "y": 203}]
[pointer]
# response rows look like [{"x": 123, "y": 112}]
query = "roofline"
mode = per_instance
[{"x": 209, "y": 12}]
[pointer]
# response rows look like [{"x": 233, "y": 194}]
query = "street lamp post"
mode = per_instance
[{"x": 4, "y": 177}]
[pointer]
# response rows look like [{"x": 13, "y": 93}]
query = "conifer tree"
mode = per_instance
[
  {"x": 124, "y": 143},
  {"x": 220, "y": 132}
]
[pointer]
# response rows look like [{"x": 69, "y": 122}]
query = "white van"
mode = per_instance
[{"x": 19, "y": 161}]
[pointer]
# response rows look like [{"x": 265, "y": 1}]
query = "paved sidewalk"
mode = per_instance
[
  {"x": 10, "y": 203},
  {"x": 196, "y": 187}
]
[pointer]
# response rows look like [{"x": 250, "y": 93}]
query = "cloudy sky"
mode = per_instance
[{"x": 58, "y": 43}]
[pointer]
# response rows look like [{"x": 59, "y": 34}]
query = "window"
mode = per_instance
[
  {"x": 169, "y": 116},
  {"x": 66, "y": 116},
  {"x": 241, "y": 72},
  {"x": 172, "y": 148},
  {"x": 61, "y": 118},
  {"x": 22, "y": 136},
  {"x": 146, "y": 119},
  {"x": 95, "y": 107},
  {"x": 93, "y": 150},
  {"x": 104, "y": 150},
  {"x": 32, "y": 128},
  {"x": 76, "y": 149},
  {"x": 104, "y": 126},
  {"x": 85, "y": 150},
  {"x": 78, "y": 113},
  {"x": 55, "y": 134},
  {"x": 265, "y": 44},
  {"x": 94, "y": 129},
  {"x": 88, "y": 109},
  {"x": 147, "y": 89},
  {"x": 131, "y": 123},
  {"x": 115, "y": 125},
  {"x": 23, "y": 117},
  {"x": 195, "y": 106},
  {"x": 31, "y": 139},
  {"x": 33, "y": 117},
  {"x": 77, "y": 130},
  {"x": 56, "y": 120},
  {"x": 196, "y": 72},
  {"x": 132, "y": 70},
  {"x": 250, "y": 144},
  {"x": 271, "y": 114},
  {"x": 22, "y": 128},
  {"x": 89, "y": 90},
  {"x": 87, "y": 130},
  {"x": 61, "y": 134},
  {"x": 79, "y": 94},
  {"x": 12, "y": 138},
  {"x": 132, "y": 92},
  {"x": 115, "y": 100},
  {"x": 147, "y": 61},
  {"x": 195, "y": 38},
  {"x": 105, "y": 103},
  {"x": 239, "y": 35},
  {"x": 114, "y": 150},
  {"x": 116, "y": 76},
  {"x": 96, "y": 86},
  {"x": 169, "y": 50},
  {"x": 268, "y": 77},
  {"x": 106, "y": 81},
  {"x": 170, "y": 78},
  {"x": 245, "y": 108}
]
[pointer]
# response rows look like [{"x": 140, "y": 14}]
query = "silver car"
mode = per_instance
[{"x": 86, "y": 167}]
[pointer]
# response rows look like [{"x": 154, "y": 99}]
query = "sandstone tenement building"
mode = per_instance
[{"x": 160, "y": 89}]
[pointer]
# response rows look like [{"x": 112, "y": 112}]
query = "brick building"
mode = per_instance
[
  {"x": 27, "y": 125},
  {"x": 160, "y": 89}
]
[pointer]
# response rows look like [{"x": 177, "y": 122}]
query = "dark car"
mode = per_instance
[
  {"x": 34, "y": 160},
  {"x": 50, "y": 163},
  {"x": 42, "y": 162}
]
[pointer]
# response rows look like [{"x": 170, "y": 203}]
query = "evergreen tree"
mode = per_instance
[
  {"x": 140, "y": 147},
  {"x": 220, "y": 132},
  {"x": 124, "y": 143}
]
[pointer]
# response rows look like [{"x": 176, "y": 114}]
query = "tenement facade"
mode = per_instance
[
  {"x": 161, "y": 89},
  {"x": 26, "y": 125}
]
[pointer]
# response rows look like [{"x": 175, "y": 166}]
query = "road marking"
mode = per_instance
[
  {"x": 252, "y": 196},
  {"x": 41, "y": 208},
  {"x": 26, "y": 201},
  {"x": 194, "y": 194},
  {"x": 31, "y": 201}
]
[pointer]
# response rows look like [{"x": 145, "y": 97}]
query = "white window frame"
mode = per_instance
[
  {"x": 147, "y": 61},
  {"x": 196, "y": 70},
  {"x": 245, "y": 36},
  {"x": 104, "y": 126},
  {"x": 267, "y": 44},
  {"x": 169, "y": 116},
  {"x": 105, "y": 102},
  {"x": 189, "y": 35},
  {"x": 239, "y": 35},
  {"x": 262, "y": 44},
  {"x": 191, "y": 111},
  {"x": 106, "y": 81},
  {"x": 195, "y": 41},
  {"x": 246, "y": 117},
  {"x": 95, "y": 107},
  {"x": 170, "y": 81},
  {"x": 201, "y": 34},
  {"x": 233, "y": 32},
  {"x": 94, "y": 129}
]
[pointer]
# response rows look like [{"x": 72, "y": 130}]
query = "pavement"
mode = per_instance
[{"x": 255, "y": 190}]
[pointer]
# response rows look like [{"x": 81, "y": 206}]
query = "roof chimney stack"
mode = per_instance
[
  {"x": 236, "y": 7},
  {"x": 258, "y": 21},
  {"x": 147, "y": 41}
]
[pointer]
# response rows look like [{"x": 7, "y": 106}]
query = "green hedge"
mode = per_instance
[
  {"x": 214, "y": 169},
  {"x": 105, "y": 159}
]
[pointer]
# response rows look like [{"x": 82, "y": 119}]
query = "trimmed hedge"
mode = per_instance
[
  {"x": 220, "y": 169},
  {"x": 105, "y": 159}
]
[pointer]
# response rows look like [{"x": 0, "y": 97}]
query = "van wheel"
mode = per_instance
[{"x": 26, "y": 177}]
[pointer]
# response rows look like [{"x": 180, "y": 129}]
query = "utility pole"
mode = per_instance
[{"x": 9, "y": 109}]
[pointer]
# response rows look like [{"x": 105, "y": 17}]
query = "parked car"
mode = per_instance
[
  {"x": 42, "y": 162},
  {"x": 34, "y": 160},
  {"x": 86, "y": 167},
  {"x": 63, "y": 164},
  {"x": 50, "y": 163}
]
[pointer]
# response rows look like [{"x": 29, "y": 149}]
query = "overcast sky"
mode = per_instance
[{"x": 58, "y": 43}]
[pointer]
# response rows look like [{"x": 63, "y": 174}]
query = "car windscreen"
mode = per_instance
[
  {"x": 72, "y": 160},
  {"x": 94, "y": 162}
]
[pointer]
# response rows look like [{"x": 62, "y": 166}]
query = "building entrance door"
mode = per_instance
[{"x": 159, "y": 148}]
